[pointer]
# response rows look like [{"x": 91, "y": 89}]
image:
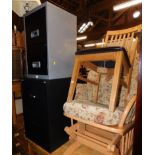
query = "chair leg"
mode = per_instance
[
  {"x": 73, "y": 80},
  {"x": 71, "y": 134},
  {"x": 75, "y": 145},
  {"x": 116, "y": 81}
]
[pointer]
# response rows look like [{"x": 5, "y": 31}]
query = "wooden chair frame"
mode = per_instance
[
  {"x": 110, "y": 140},
  {"x": 118, "y": 57},
  {"x": 120, "y": 63}
]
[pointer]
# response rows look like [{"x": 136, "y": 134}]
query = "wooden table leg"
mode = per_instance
[
  {"x": 13, "y": 109},
  {"x": 73, "y": 79},
  {"x": 116, "y": 81}
]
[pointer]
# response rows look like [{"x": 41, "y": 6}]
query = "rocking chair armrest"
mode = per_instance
[{"x": 127, "y": 110}]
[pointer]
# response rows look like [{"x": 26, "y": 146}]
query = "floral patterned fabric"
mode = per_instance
[
  {"x": 83, "y": 106},
  {"x": 81, "y": 92},
  {"x": 105, "y": 87},
  {"x": 92, "y": 89},
  {"x": 98, "y": 113}
]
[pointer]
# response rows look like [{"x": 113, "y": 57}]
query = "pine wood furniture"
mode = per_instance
[{"x": 107, "y": 139}]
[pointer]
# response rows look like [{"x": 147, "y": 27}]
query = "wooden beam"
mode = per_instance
[{"x": 118, "y": 15}]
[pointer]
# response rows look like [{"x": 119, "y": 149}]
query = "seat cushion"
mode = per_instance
[
  {"x": 81, "y": 92},
  {"x": 93, "y": 112}
]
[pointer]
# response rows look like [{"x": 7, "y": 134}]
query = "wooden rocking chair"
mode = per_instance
[{"x": 104, "y": 105}]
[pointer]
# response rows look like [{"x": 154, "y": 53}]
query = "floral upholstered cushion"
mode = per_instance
[
  {"x": 87, "y": 110},
  {"x": 105, "y": 87},
  {"x": 104, "y": 90},
  {"x": 81, "y": 92},
  {"x": 92, "y": 89}
]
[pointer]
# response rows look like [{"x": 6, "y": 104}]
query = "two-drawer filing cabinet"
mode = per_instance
[{"x": 43, "y": 111}]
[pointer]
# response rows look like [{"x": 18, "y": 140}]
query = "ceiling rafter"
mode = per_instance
[{"x": 118, "y": 15}]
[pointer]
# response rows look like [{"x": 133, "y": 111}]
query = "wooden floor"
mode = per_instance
[{"x": 20, "y": 143}]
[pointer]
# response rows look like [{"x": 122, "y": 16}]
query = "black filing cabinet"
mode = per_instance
[
  {"x": 50, "y": 35},
  {"x": 43, "y": 111}
]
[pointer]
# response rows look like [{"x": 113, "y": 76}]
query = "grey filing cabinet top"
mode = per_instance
[{"x": 60, "y": 42}]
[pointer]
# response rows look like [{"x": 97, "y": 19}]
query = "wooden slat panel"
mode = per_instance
[
  {"x": 105, "y": 70},
  {"x": 127, "y": 42},
  {"x": 119, "y": 39},
  {"x": 111, "y": 39},
  {"x": 100, "y": 132},
  {"x": 99, "y": 138},
  {"x": 122, "y": 146},
  {"x": 126, "y": 143},
  {"x": 130, "y": 43},
  {"x": 98, "y": 81},
  {"x": 89, "y": 65},
  {"x": 103, "y": 145},
  {"x": 123, "y": 40},
  {"x": 87, "y": 80}
]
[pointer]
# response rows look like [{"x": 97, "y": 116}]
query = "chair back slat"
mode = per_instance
[
  {"x": 119, "y": 39},
  {"x": 124, "y": 38},
  {"x": 127, "y": 42}
]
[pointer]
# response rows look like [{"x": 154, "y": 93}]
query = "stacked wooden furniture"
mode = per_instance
[
  {"x": 103, "y": 124},
  {"x": 17, "y": 68},
  {"x": 19, "y": 143}
]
